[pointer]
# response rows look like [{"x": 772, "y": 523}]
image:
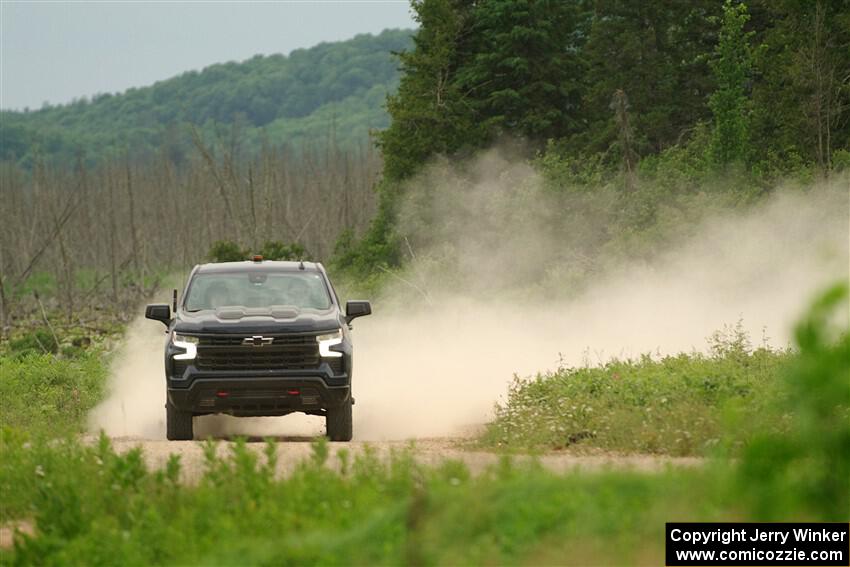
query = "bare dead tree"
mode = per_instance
[
  {"x": 111, "y": 226},
  {"x": 134, "y": 237},
  {"x": 219, "y": 179},
  {"x": 620, "y": 106}
]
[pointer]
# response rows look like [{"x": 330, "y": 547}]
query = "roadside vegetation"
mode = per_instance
[
  {"x": 53, "y": 374},
  {"x": 48, "y": 395},
  {"x": 90, "y": 505},
  {"x": 687, "y": 404}
]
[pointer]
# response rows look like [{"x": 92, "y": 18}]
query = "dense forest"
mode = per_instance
[
  {"x": 653, "y": 98},
  {"x": 771, "y": 75},
  {"x": 332, "y": 90}
]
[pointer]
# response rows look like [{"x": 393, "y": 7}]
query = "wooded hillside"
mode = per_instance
[{"x": 333, "y": 90}]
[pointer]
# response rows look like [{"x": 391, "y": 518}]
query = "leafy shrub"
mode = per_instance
[
  {"x": 37, "y": 341},
  {"x": 674, "y": 405},
  {"x": 562, "y": 171},
  {"x": 277, "y": 250},
  {"x": 807, "y": 467},
  {"x": 841, "y": 160},
  {"x": 226, "y": 251},
  {"x": 364, "y": 262},
  {"x": 229, "y": 251}
]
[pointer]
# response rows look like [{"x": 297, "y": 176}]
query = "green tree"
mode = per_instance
[
  {"x": 655, "y": 53},
  {"x": 801, "y": 96},
  {"x": 481, "y": 69},
  {"x": 524, "y": 77},
  {"x": 430, "y": 113},
  {"x": 730, "y": 103}
]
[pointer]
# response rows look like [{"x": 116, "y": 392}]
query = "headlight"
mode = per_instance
[
  {"x": 185, "y": 342},
  {"x": 327, "y": 341},
  {"x": 186, "y": 339}
]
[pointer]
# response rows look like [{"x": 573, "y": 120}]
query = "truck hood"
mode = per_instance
[{"x": 275, "y": 319}]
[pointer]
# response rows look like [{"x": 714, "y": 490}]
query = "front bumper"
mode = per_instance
[{"x": 259, "y": 396}]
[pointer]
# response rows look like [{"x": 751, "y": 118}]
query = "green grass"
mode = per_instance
[
  {"x": 52, "y": 375},
  {"x": 678, "y": 405},
  {"x": 48, "y": 394},
  {"x": 686, "y": 404}
]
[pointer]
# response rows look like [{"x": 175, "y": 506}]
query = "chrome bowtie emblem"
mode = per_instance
[{"x": 257, "y": 340}]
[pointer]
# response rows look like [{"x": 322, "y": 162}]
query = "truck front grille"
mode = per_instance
[{"x": 285, "y": 352}]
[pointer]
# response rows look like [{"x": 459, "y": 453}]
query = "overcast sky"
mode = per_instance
[{"x": 57, "y": 51}]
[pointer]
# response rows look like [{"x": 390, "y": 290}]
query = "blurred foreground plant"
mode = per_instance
[{"x": 808, "y": 467}]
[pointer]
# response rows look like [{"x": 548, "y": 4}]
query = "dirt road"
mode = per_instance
[
  {"x": 293, "y": 450},
  {"x": 387, "y": 419}
]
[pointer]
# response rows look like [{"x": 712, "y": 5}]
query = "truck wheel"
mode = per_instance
[
  {"x": 178, "y": 424},
  {"x": 338, "y": 422}
]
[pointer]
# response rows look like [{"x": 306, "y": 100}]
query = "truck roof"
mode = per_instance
[{"x": 262, "y": 266}]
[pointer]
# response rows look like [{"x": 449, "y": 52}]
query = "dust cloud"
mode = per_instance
[
  {"x": 135, "y": 406},
  {"x": 496, "y": 286}
]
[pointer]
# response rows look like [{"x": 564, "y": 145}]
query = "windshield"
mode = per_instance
[{"x": 305, "y": 290}]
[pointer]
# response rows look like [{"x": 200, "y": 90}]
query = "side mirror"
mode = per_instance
[
  {"x": 354, "y": 309},
  {"x": 159, "y": 312}
]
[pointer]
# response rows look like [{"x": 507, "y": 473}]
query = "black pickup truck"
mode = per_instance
[{"x": 258, "y": 338}]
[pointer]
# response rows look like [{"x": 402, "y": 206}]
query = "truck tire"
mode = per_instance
[
  {"x": 178, "y": 424},
  {"x": 338, "y": 422}
]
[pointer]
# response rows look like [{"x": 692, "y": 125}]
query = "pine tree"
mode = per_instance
[
  {"x": 655, "y": 51},
  {"x": 730, "y": 103},
  {"x": 430, "y": 113},
  {"x": 525, "y": 75}
]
